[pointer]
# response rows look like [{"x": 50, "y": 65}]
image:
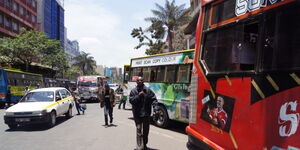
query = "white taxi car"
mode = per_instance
[{"x": 40, "y": 106}]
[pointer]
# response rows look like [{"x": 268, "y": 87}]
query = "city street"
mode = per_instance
[{"x": 86, "y": 132}]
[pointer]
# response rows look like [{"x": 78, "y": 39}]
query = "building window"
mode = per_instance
[
  {"x": 21, "y": 10},
  {"x": 27, "y": 14},
  {"x": 34, "y": 4},
  {"x": 7, "y": 22},
  {"x": 14, "y": 26},
  {"x": 1, "y": 19},
  {"x": 8, "y": 3},
  {"x": 15, "y": 6},
  {"x": 33, "y": 18}
]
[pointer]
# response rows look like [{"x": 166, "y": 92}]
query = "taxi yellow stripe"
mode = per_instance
[{"x": 55, "y": 103}]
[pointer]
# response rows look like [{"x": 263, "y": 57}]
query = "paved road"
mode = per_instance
[{"x": 86, "y": 132}]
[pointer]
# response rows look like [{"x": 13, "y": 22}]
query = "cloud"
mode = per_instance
[{"x": 100, "y": 32}]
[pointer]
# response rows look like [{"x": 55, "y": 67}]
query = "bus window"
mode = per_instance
[
  {"x": 183, "y": 74},
  {"x": 146, "y": 74},
  {"x": 231, "y": 49},
  {"x": 153, "y": 74},
  {"x": 171, "y": 74},
  {"x": 135, "y": 73},
  {"x": 281, "y": 40},
  {"x": 160, "y": 76}
]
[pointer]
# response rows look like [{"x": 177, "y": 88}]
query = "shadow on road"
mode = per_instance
[
  {"x": 173, "y": 126},
  {"x": 37, "y": 127}
]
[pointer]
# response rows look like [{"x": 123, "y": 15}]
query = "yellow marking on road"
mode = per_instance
[
  {"x": 261, "y": 94},
  {"x": 233, "y": 140},
  {"x": 228, "y": 80},
  {"x": 295, "y": 77},
  {"x": 273, "y": 83},
  {"x": 212, "y": 93}
]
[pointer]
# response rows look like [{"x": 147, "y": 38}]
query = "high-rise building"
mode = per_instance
[
  {"x": 72, "y": 49},
  {"x": 191, "y": 28},
  {"x": 15, "y": 14},
  {"x": 51, "y": 19}
]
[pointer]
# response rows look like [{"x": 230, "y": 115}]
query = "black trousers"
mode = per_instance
[
  {"x": 122, "y": 102},
  {"x": 142, "y": 131}
]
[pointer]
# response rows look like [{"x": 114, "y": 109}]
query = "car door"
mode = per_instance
[
  {"x": 58, "y": 99},
  {"x": 65, "y": 103}
]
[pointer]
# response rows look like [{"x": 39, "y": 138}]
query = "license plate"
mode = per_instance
[{"x": 22, "y": 119}]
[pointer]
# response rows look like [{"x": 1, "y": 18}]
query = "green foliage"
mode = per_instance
[
  {"x": 154, "y": 44},
  {"x": 72, "y": 72},
  {"x": 86, "y": 63},
  {"x": 171, "y": 17},
  {"x": 33, "y": 46}
]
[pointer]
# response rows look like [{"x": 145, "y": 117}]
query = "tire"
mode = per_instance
[
  {"x": 52, "y": 119},
  {"x": 12, "y": 126},
  {"x": 69, "y": 112},
  {"x": 160, "y": 117},
  {"x": 2, "y": 105}
]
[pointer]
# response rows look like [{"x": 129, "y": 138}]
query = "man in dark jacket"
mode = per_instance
[
  {"x": 141, "y": 99},
  {"x": 108, "y": 102}
]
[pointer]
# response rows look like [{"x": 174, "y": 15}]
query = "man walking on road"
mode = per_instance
[
  {"x": 141, "y": 99},
  {"x": 108, "y": 102}
]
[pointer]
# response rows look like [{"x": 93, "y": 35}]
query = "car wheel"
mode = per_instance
[
  {"x": 160, "y": 117},
  {"x": 12, "y": 126},
  {"x": 69, "y": 113},
  {"x": 52, "y": 119}
]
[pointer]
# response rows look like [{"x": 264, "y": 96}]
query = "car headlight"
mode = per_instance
[
  {"x": 39, "y": 113},
  {"x": 8, "y": 113}
]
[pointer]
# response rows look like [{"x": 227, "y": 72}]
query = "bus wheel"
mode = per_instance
[{"x": 160, "y": 117}]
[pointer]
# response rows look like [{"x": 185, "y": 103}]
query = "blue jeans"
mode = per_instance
[{"x": 108, "y": 111}]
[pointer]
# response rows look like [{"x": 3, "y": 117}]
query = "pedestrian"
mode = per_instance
[
  {"x": 37, "y": 86},
  {"x": 8, "y": 97},
  {"x": 108, "y": 102},
  {"x": 77, "y": 101},
  {"x": 122, "y": 98},
  {"x": 141, "y": 99},
  {"x": 26, "y": 90}
]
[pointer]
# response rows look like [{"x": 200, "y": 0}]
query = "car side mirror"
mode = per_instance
[{"x": 58, "y": 98}]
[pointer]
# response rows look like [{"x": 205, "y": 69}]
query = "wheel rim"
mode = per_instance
[
  {"x": 161, "y": 117},
  {"x": 70, "y": 112},
  {"x": 53, "y": 118}
]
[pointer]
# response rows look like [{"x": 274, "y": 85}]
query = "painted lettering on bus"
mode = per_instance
[
  {"x": 138, "y": 62},
  {"x": 168, "y": 59},
  {"x": 147, "y": 61},
  {"x": 156, "y": 61},
  {"x": 244, "y": 6},
  {"x": 292, "y": 118}
]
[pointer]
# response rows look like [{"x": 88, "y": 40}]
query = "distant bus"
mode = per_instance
[
  {"x": 168, "y": 75},
  {"x": 16, "y": 80},
  {"x": 89, "y": 86}
]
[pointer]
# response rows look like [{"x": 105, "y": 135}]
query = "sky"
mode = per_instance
[{"x": 103, "y": 27}]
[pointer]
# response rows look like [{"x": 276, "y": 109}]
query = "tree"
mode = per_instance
[
  {"x": 32, "y": 46},
  {"x": 154, "y": 43},
  {"x": 170, "y": 16},
  {"x": 86, "y": 63}
]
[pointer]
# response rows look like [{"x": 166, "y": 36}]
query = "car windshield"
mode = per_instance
[
  {"x": 87, "y": 84},
  {"x": 38, "y": 97}
]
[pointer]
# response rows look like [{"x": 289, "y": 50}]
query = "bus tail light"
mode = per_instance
[{"x": 193, "y": 99}]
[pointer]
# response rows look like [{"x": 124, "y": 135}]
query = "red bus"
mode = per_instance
[{"x": 245, "y": 91}]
